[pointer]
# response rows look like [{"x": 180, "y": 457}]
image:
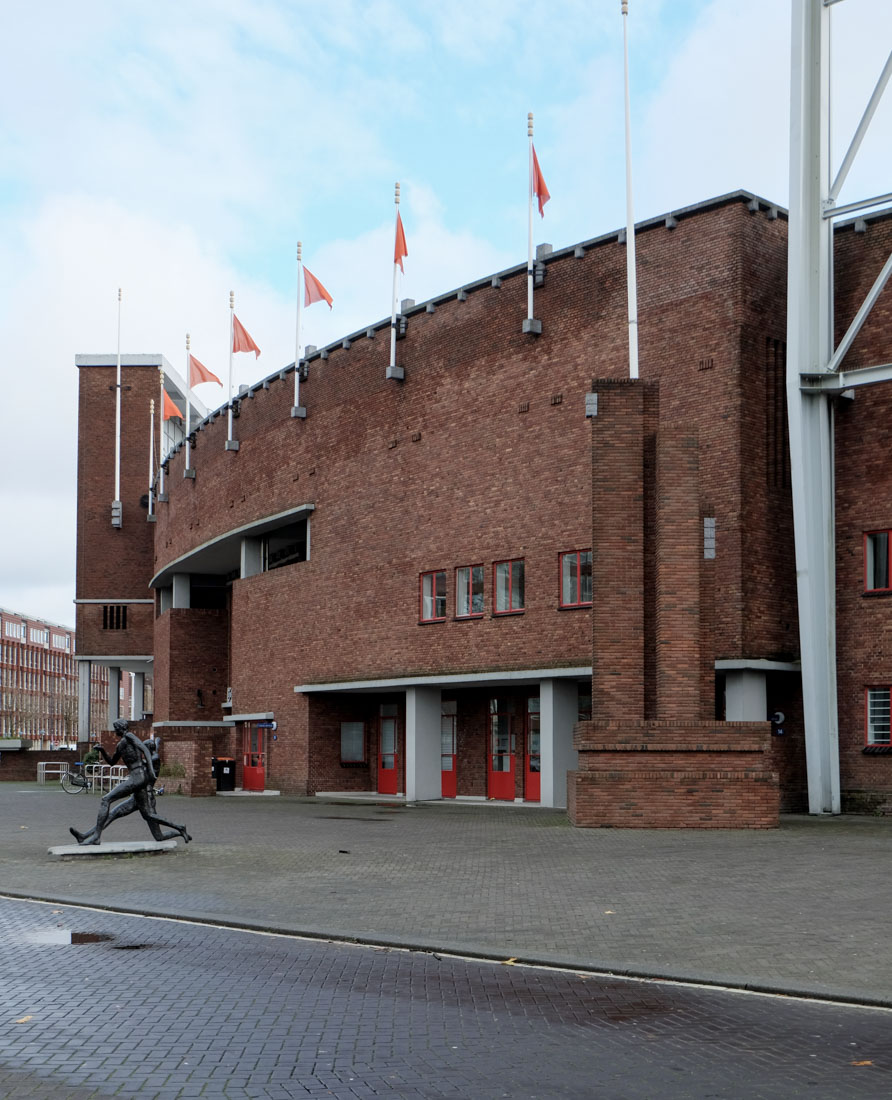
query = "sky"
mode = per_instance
[{"x": 179, "y": 150}]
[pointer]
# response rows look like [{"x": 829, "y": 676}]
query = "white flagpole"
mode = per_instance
[
  {"x": 631, "y": 267},
  {"x": 231, "y": 330},
  {"x": 162, "y": 441},
  {"x": 188, "y": 393},
  {"x": 393, "y": 298},
  {"x": 530, "y": 221},
  {"x": 151, "y": 454},
  {"x": 297, "y": 338},
  {"x": 117, "y": 501}
]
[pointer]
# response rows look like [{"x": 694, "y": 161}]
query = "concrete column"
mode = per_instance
[
  {"x": 114, "y": 695},
  {"x": 83, "y": 700},
  {"x": 558, "y": 712},
  {"x": 138, "y": 698},
  {"x": 423, "y": 711},
  {"x": 746, "y": 696},
  {"x": 181, "y": 589},
  {"x": 251, "y": 557}
]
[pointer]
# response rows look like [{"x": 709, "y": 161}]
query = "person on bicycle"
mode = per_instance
[{"x": 137, "y": 788}]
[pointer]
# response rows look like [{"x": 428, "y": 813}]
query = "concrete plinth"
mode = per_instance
[{"x": 112, "y": 848}]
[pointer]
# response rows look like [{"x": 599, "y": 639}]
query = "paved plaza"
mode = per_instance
[{"x": 801, "y": 909}]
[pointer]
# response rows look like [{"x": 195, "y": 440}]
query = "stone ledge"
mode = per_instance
[{"x": 112, "y": 848}]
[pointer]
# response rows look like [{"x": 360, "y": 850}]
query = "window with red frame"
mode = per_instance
[
  {"x": 508, "y": 583},
  {"x": 576, "y": 578},
  {"x": 877, "y": 705},
  {"x": 876, "y": 561},
  {"x": 469, "y": 591},
  {"x": 433, "y": 596}
]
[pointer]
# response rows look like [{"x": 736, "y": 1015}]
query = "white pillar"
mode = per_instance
[
  {"x": 181, "y": 589},
  {"x": 558, "y": 714},
  {"x": 423, "y": 712},
  {"x": 746, "y": 696},
  {"x": 114, "y": 695},
  {"x": 83, "y": 700},
  {"x": 138, "y": 698}
]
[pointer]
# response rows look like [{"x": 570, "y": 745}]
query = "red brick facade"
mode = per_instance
[{"x": 482, "y": 455}]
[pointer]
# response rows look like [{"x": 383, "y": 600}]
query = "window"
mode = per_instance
[
  {"x": 576, "y": 578},
  {"x": 38, "y": 636},
  {"x": 114, "y": 616},
  {"x": 285, "y": 546},
  {"x": 14, "y": 630},
  {"x": 352, "y": 742},
  {"x": 433, "y": 596},
  {"x": 878, "y": 716},
  {"x": 876, "y": 561},
  {"x": 509, "y": 584},
  {"x": 468, "y": 591},
  {"x": 709, "y": 538}
]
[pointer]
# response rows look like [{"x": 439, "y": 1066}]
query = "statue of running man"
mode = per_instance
[{"x": 141, "y": 760}]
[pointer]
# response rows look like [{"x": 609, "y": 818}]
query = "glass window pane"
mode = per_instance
[
  {"x": 477, "y": 590},
  {"x": 440, "y": 603},
  {"x": 352, "y": 741},
  {"x": 878, "y": 560},
  {"x": 517, "y": 594},
  {"x": 502, "y": 586},
  {"x": 585, "y": 576},
  {"x": 427, "y": 596},
  {"x": 568, "y": 579},
  {"x": 463, "y": 591},
  {"x": 878, "y": 716}
]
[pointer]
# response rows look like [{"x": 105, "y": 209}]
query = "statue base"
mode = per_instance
[{"x": 112, "y": 848}]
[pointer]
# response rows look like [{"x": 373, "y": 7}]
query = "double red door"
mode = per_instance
[{"x": 513, "y": 726}]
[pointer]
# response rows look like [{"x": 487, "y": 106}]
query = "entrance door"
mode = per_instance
[
  {"x": 388, "y": 749},
  {"x": 532, "y": 761},
  {"x": 500, "y": 759},
  {"x": 448, "y": 775},
  {"x": 253, "y": 758}
]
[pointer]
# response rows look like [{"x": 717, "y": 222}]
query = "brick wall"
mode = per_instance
[{"x": 21, "y": 766}]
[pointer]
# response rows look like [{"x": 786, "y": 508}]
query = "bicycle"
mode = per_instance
[{"x": 73, "y": 782}]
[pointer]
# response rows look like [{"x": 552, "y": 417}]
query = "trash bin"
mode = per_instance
[{"x": 223, "y": 769}]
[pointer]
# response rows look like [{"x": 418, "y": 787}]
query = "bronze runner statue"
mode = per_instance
[{"x": 142, "y": 762}]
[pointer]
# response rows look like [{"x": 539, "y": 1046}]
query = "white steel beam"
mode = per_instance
[
  {"x": 846, "y": 380},
  {"x": 809, "y": 344}
]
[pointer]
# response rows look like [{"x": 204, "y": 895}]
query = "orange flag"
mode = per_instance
[
  {"x": 314, "y": 291},
  {"x": 539, "y": 188},
  {"x": 170, "y": 408},
  {"x": 399, "y": 248},
  {"x": 198, "y": 372},
  {"x": 241, "y": 341}
]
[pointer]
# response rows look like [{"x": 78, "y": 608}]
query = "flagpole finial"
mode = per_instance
[
  {"x": 187, "y": 341},
  {"x": 396, "y": 196},
  {"x": 232, "y": 299},
  {"x": 529, "y": 124},
  {"x": 625, "y": 4},
  {"x": 119, "y": 294},
  {"x": 298, "y": 251},
  {"x": 152, "y": 406}
]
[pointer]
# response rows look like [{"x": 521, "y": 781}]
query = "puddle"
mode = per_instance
[{"x": 49, "y": 936}]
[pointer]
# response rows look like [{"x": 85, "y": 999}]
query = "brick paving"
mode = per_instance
[
  {"x": 165, "y": 1010},
  {"x": 801, "y": 909}
]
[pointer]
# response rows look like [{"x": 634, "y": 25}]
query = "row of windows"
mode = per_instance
[
  {"x": 508, "y": 586},
  {"x": 12, "y": 655}
]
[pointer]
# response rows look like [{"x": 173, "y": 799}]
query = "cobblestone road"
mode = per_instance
[
  {"x": 803, "y": 908},
  {"x": 161, "y": 1009}
]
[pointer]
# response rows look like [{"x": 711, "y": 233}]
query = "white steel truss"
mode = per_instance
[{"x": 814, "y": 376}]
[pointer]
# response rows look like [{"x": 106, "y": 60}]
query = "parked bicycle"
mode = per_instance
[{"x": 74, "y": 781}]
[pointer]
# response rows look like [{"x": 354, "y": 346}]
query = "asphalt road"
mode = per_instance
[{"x": 155, "y": 1008}]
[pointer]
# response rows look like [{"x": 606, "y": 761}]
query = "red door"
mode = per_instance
[
  {"x": 448, "y": 775},
  {"x": 388, "y": 750},
  {"x": 253, "y": 758},
  {"x": 500, "y": 754},
  {"x": 531, "y": 759}
]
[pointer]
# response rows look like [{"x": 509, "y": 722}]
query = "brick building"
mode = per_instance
[
  {"x": 515, "y": 574},
  {"x": 38, "y": 683}
]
